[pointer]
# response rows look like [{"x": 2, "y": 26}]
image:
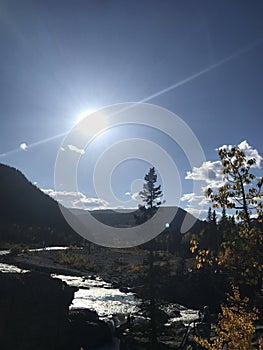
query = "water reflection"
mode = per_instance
[
  {"x": 11, "y": 268},
  {"x": 98, "y": 295}
]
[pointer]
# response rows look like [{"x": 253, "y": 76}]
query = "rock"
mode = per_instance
[
  {"x": 34, "y": 312},
  {"x": 127, "y": 289},
  {"x": 83, "y": 315},
  {"x": 87, "y": 330}
]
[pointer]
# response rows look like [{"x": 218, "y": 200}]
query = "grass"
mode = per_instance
[{"x": 76, "y": 260}]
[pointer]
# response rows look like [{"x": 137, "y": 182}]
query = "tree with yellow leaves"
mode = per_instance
[
  {"x": 235, "y": 326},
  {"x": 241, "y": 189},
  {"x": 241, "y": 253}
]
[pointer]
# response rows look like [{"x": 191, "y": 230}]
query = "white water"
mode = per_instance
[
  {"x": 98, "y": 295},
  {"x": 48, "y": 248},
  {"x": 94, "y": 293},
  {"x": 4, "y": 252},
  {"x": 11, "y": 268}
]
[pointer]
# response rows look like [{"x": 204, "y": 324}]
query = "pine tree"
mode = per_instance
[
  {"x": 214, "y": 218},
  {"x": 209, "y": 215},
  {"x": 223, "y": 220},
  {"x": 151, "y": 194}
]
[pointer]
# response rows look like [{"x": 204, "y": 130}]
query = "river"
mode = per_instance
[{"x": 96, "y": 294}]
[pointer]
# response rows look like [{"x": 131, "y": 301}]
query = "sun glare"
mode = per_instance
[
  {"x": 97, "y": 121},
  {"x": 84, "y": 114}
]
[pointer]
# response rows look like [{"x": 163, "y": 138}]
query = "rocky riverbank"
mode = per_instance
[
  {"x": 35, "y": 315},
  {"x": 127, "y": 270}
]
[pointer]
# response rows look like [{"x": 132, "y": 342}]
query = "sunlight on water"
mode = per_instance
[
  {"x": 98, "y": 295},
  {"x": 48, "y": 248},
  {"x": 4, "y": 252},
  {"x": 11, "y": 268},
  {"x": 187, "y": 316},
  {"x": 105, "y": 302}
]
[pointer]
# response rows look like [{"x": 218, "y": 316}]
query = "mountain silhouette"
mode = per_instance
[
  {"x": 27, "y": 215},
  {"x": 127, "y": 217}
]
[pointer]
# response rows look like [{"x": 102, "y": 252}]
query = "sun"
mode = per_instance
[
  {"x": 92, "y": 122},
  {"x": 84, "y": 114}
]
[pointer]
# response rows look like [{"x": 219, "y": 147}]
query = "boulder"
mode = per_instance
[
  {"x": 34, "y": 314},
  {"x": 34, "y": 311}
]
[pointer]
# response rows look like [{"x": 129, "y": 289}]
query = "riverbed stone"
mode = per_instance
[
  {"x": 34, "y": 311},
  {"x": 34, "y": 315}
]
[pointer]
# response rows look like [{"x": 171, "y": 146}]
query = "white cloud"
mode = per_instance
[
  {"x": 76, "y": 149},
  {"x": 134, "y": 196},
  {"x": 195, "y": 204},
  {"x": 197, "y": 212},
  {"x": 23, "y": 146},
  {"x": 192, "y": 198},
  {"x": 77, "y": 200},
  {"x": 210, "y": 172},
  {"x": 189, "y": 197},
  {"x": 249, "y": 152},
  {"x": 211, "y": 175}
]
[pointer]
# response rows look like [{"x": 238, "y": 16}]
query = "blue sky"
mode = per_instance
[{"x": 202, "y": 60}]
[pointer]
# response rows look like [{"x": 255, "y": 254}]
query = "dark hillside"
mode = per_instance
[{"x": 27, "y": 215}]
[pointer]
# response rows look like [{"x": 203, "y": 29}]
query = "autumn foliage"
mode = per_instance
[{"x": 235, "y": 326}]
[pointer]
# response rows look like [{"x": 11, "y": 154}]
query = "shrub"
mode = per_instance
[
  {"x": 77, "y": 261},
  {"x": 235, "y": 327}
]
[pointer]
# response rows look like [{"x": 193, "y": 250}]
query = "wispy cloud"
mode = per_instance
[
  {"x": 23, "y": 146},
  {"x": 77, "y": 200},
  {"x": 192, "y": 197},
  {"x": 195, "y": 204},
  {"x": 134, "y": 196},
  {"x": 76, "y": 149},
  {"x": 197, "y": 212}
]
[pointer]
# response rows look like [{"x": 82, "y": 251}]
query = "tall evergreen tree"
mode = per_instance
[
  {"x": 209, "y": 215},
  {"x": 214, "y": 218},
  {"x": 151, "y": 194},
  {"x": 223, "y": 220}
]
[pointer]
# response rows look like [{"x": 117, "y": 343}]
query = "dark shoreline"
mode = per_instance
[
  {"x": 45, "y": 262},
  {"x": 113, "y": 266},
  {"x": 84, "y": 321}
]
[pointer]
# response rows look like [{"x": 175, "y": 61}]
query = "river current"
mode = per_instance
[{"x": 96, "y": 294}]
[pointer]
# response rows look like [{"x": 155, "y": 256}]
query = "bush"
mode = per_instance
[
  {"x": 76, "y": 261},
  {"x": 235, "y": 327}
]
